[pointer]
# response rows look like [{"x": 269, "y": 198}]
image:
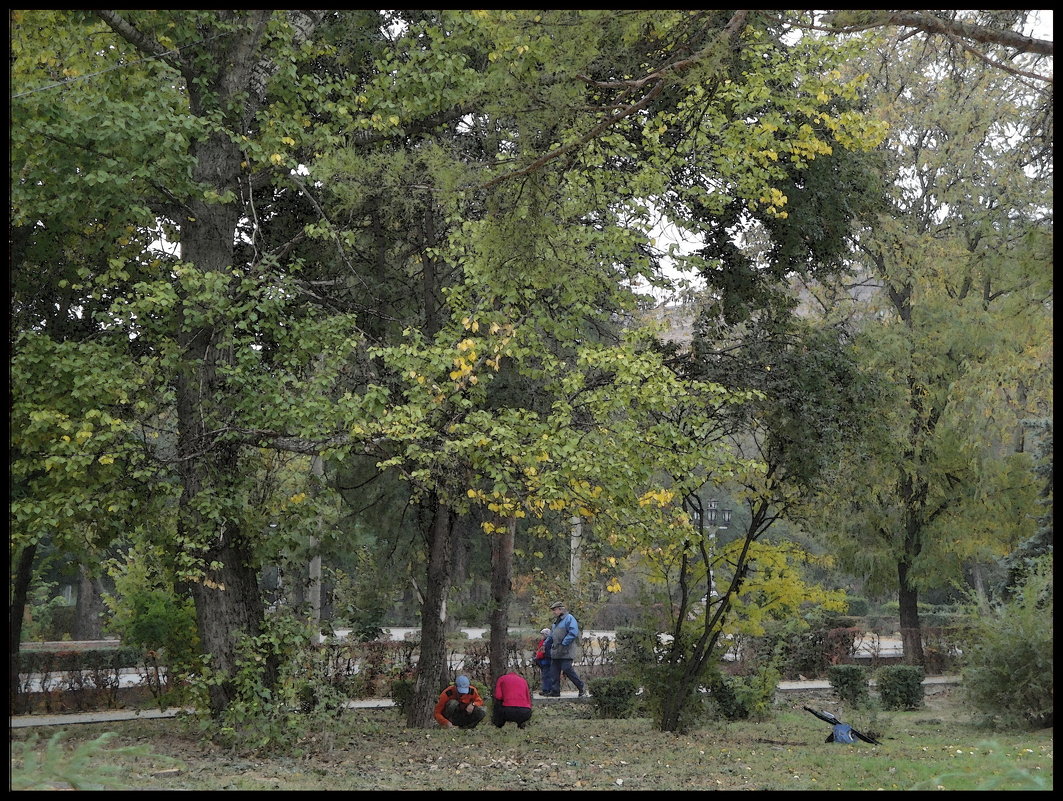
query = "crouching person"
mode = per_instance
[
  {"x": 459, "y": 705},
  {"x": 512, "y": 701}
]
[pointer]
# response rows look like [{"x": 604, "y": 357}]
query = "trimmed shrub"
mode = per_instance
[
  {"x": 900, "y": 686},
  {"x": 850, "y": 683},
  {"x": 614, "y": 697},
  {"x": 635, "y": 648},
  {"x": 858, "y": 606}
]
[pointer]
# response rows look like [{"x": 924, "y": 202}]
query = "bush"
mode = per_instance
[
  {"x": 401, "y": 692},
  {"x": 81, "y": 678},
  {"x": 806, "y": 647},
  {"x": 635, "y": 648},
  {"x": 753, "y": 695},
  {"x": 900, "y": 686},
  {"x": 659, "y": 698},
  {"x": 78, "y": 660},
  {"x": 46, "y": 617},
  {"x": 850, "y": 683},
  {"x": 614, "y": 697},
  {"x": 280, "y": 690},
  {"x": 147, "y": 613},
  {"x": 1008, "y": 655},
  {"x": 858, "y": 606}
]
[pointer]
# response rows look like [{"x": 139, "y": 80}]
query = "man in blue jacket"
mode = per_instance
[{"x": 565, "y": 635}]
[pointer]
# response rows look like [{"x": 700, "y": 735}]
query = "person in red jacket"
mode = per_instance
[
  {"x": 459, "y": 705},
  {"x": 512, "y": 701},
  {"x": 542, "y": 659}
]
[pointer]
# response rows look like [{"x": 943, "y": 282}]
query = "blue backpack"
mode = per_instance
[{"x": 843, "y": 733}]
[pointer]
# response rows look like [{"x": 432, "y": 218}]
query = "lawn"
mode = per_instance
[{"x": 565, "y": 747}]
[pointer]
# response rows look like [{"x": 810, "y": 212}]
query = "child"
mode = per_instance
[{"x": 542, "y": 659}]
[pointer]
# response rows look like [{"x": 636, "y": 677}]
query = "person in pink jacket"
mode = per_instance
[{"x": 512, "y": 701}]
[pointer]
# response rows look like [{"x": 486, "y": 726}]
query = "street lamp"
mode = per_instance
[
  {"x": 717, "y": 520},
  {"x": 724, "y": 516}
]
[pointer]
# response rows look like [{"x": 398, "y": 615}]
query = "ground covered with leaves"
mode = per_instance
[{"x": 566, "y": 746}]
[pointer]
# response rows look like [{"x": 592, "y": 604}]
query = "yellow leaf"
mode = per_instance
[
  {"x": 106, "y": 460},
  {"x": 276, "y": 158}
]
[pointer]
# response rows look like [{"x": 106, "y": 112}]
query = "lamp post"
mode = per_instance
[{"x": 717, "y": 520}]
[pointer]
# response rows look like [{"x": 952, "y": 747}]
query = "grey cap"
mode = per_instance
[
  {"x": 556, "y": 605},
  {"x": 544, "y": 632}
]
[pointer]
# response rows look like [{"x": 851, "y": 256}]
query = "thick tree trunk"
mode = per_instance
[
  {"x": 228, "y": 605},
  {"x": 911, "y": 630},
  {"x": 433, "y": 672},
  {"x": 501, "y": 589},
  {"x": 225, "y": 76},
  {"x": 87, "y": 622},
  {"x": 19, "y": 592}
]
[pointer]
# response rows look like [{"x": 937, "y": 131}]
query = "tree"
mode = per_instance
[
  {"x": 501, "y": 145},
  {"x": 1041, "y": 543},
  {"x": 803, "y": 398},
  {"x": 959, "y": 323},
  {"x": 540, "y": 259},
  {"x": 180, "y": 154}
]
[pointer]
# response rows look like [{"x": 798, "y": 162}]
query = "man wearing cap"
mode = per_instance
[
  {"x": 459, "y": 705},
  {"x": 565, "y": 634},
  {"x": 542, "y": 659}
]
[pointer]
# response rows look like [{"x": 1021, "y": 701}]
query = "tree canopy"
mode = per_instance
[{"x": 247, "y": 243}]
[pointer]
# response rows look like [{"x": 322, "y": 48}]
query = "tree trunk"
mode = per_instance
[
  {"x": 228, "y": 600},
  {"x": 501, "y": 589},
  {"x": 433, "y": 672},
  {"x": 228, "y": 605},
  {"x": 19, "y": 593},
  {"x": 575, "y": 563},
  {"x": 911, "y": 630},
  {"x": 87, "y": 622},
  {"x": 225, "y": 75}
]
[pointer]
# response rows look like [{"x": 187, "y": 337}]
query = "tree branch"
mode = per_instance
[
  {"x": 734, "y": 25},
  {"x": 145, "y": 44},
  {"x": 965, "y": 30}
]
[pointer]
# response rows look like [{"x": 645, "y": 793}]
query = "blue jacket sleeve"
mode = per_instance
[{"x": 573, "y": 631}]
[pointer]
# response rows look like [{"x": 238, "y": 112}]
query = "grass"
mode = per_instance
[{"x": 566, "y": 747}]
